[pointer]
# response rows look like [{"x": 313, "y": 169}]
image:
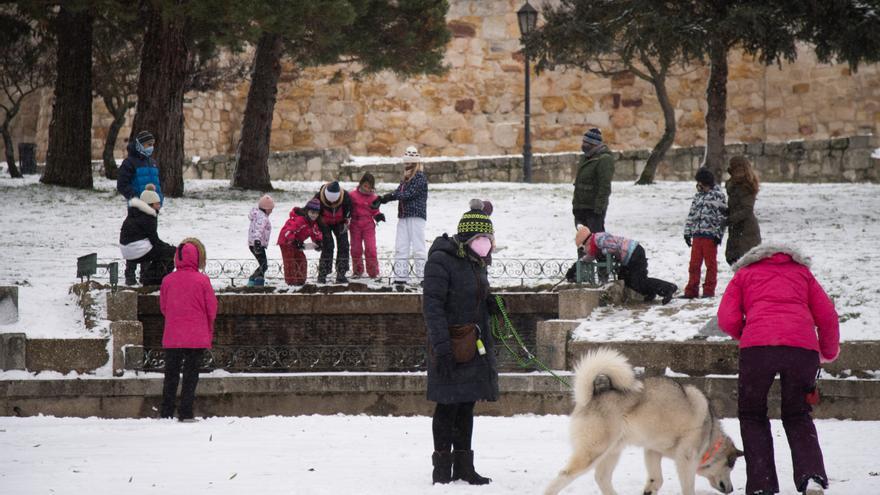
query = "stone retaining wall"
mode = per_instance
[
  {"x": 375, "y": 394},
  {"x": 835, "y": 160}
]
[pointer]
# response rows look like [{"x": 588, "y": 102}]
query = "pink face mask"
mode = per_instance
[{"x": 481, "y": 246}]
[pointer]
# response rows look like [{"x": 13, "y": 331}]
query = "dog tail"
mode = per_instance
[{"x": 597, "y": 368}]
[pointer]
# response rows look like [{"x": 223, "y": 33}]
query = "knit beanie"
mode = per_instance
[
  {"x": 150, "y": 196},
  {"x": 583, "y": 233},
  {"x": 331, "y": 192},
  {"x": 266, "y": 203},
  {"x": 705, "y": 176},
  {"x": 314, "y": 204},
  {"x": 144, "y": 137},
  {"x": 476, "y": 221},
  {"x": 593, "y": 137},
  {"x": 411, "y": 155}
]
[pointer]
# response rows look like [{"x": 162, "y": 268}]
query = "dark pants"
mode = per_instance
[
  {"x": 797, "y": 368},
  {"x": 259, "y": 253},
  {"x": 157, "y": 263},
  {"x": 635, "y": 276},
  {"x": 191, "y": 360},
  {"x": 453, "y": 426},
  {"x": 325, "y": 266},
  {"x": 595, "y": 221}
]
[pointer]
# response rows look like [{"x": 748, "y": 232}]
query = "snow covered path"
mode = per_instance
[
  {"x": 44, "y": 229},
  {"x": 348, "y": 455}
]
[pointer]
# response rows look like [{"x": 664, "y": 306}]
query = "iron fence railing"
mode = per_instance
[{"x": 502, "y": 272}]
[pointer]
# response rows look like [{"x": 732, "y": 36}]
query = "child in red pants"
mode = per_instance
[
  {"x": 703, "y": 232},
  {"x": 302, "y": 225},
  {"x": 364, "y": 219}
]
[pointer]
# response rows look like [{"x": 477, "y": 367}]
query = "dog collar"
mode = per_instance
[{"x": 711, "y": 452}]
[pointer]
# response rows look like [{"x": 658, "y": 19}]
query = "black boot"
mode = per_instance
[
  {"x": 463, "y": 468},
  {"x": 442, "y": 467}
]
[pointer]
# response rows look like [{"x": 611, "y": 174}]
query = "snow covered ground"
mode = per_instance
[
  {"x": 44, "y": 228},
  {"x": 311, "y": 455}
]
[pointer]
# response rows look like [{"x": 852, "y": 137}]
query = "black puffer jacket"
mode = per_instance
[
  {"x": 455, "y": 292},
  {"x": 141, "y": 223}
]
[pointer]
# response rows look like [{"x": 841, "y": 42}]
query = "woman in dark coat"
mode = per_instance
[
  {"x": 456, "y": 292},
  {"x": 743, "y": 232}
]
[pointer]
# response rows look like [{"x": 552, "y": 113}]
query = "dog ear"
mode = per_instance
[{"x": 740, "y": 453}]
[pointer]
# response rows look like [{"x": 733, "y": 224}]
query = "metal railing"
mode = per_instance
[{"x": 502, "y": 272}]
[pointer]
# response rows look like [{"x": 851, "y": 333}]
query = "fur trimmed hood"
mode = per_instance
[
  {"x": 144, "y": 207},
  {"x": 184, "y": 258},
  {"x": 766, "y": 250}
]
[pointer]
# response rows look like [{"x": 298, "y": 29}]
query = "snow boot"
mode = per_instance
[
  {"x": 341, "y": 278},
  {"x": 442, "y": 462},
  {"x": 463, "y": 468},
  {"x": 259, "y": 282},
  {"x": 815, "y": 486},
  {"x": 251, "y": 282},
  {"x": 322, "y": 278}
]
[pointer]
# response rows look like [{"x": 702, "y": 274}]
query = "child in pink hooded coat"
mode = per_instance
[
  {"x": 189, "y": 305},
  {"x": 364, "y": 219},
  {"x": 786, "y": 325}
]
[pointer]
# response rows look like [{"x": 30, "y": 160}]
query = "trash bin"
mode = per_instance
[{"x": 27, "y": 158}]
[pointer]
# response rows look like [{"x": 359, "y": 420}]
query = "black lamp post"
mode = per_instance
[{"x": 527, "y": 17}]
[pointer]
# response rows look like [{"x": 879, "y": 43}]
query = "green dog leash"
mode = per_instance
[{"x": 504, "y": 332}]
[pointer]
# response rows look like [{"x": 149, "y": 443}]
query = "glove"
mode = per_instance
[
  {"x": 445, "y": 365},
  {"x": 717, "y": 241},
  {"x": 571, "y": 273},
  {"x": 379, "y": 218},
  {"x": 387, "y": 198},
  {"x": 376, "y": 203},
  {"x": 318, "y": 246},
  {"x": 258, "y": 244},
  {"x": 687, "y": 240},
  {"x": 493, "y": 307},
  {"x": 299, "y": 245}
]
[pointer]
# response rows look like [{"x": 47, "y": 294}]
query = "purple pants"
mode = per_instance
[{"x": 797, "y": 368}]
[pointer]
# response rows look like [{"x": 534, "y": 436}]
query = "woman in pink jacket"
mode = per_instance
[
  {"x": 785, "y": 324},
  {"x": 189, "y": 305}
]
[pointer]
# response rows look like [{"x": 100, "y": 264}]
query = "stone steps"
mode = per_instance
[{"x": 397, "y": 394}]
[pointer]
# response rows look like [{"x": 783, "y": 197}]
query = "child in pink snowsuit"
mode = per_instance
[{"x": 363, "y": 227}]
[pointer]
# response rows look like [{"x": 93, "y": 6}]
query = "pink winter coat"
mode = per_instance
[
  {"x": 188, "y": 303},
  {"x": 361, "y": 213},
  {"x": 260, "y": 228},
  {"x": 774, "y": 300}
]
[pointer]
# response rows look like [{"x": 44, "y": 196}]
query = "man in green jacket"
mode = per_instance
[{"x": 592, "y": 184}]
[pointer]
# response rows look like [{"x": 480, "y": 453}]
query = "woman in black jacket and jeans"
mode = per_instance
[{"x": 456, "y": 293}]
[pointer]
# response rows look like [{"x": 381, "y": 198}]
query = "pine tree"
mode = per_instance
[
  {"x": 615, "y": 37},
  {"x": 404, "y": 36}
]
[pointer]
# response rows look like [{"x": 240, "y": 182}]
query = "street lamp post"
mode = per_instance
[{"x": 527, "y": 18}]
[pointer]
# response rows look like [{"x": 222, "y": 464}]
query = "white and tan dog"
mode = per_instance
[{"x": 614, "y": 410}]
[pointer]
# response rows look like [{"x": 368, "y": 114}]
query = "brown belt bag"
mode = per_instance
[{"x": 464, "y": 342}]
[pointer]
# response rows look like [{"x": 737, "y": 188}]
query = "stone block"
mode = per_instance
[
  {"x": 122, "y": 305},
  {"x": 124, "y": 334},
  {"x": 13, "y": 348},
  {"x": 839, "y": 143},
  {"x": 66, "y": 355},
  {"x": 8, "y": 304},
  {"x": 576, "y": 304},
  {"x": 551, "y": 342}
]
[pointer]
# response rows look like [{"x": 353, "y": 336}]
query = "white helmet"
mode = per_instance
[{"x": 411, "y": 155}]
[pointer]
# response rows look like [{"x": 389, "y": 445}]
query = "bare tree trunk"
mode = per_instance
[
  {"x": 110, "y": 168},
  {"x": 69, "y": 154},
  {"x": 716, "y": 115},
  {"x": 658, "y": 79},
  {"x": 251, "y": 166},
  {"x": 160, "y": 95},
  {"x": 14, "y": 172}
]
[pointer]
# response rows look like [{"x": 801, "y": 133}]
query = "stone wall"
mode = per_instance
[
  {"x": 834, "y": 160},
  {"x": 476, "y": 107}
]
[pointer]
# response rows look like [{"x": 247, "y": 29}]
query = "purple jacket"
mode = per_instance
[
  {"x": 188, "y": 303},
  {"x": 774, "y": 300}
]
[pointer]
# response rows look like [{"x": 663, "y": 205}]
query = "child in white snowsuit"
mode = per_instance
[{"x": 258, "y": 238}]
